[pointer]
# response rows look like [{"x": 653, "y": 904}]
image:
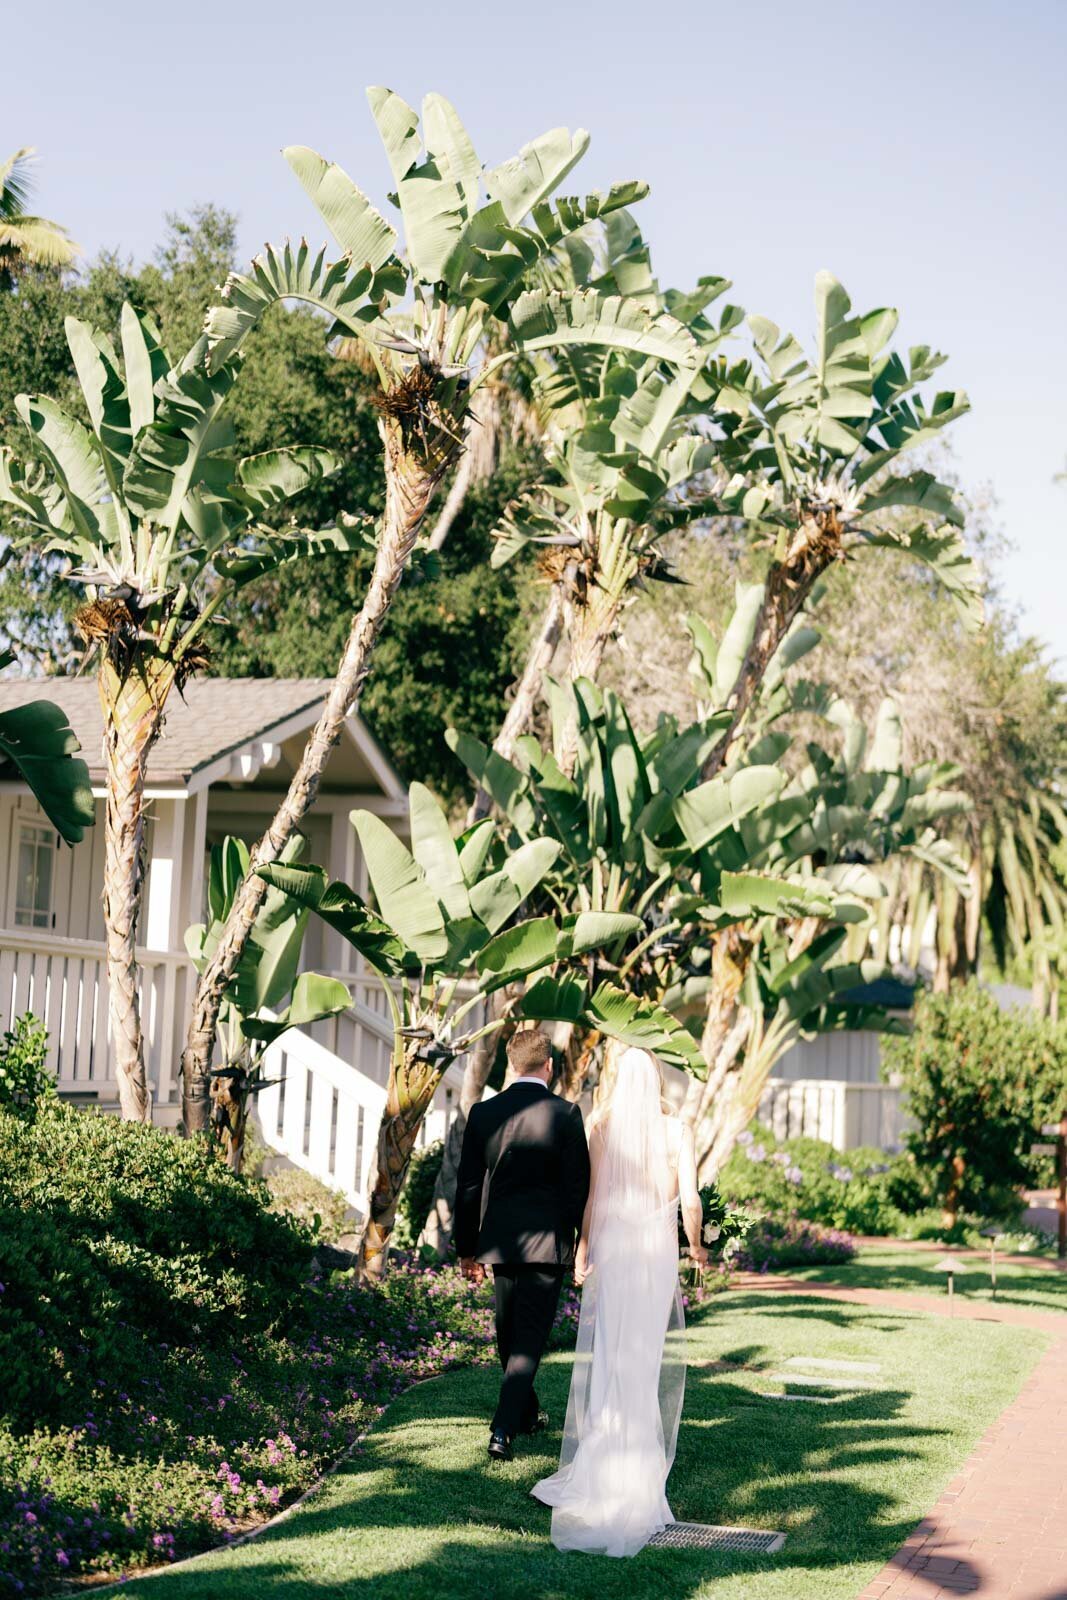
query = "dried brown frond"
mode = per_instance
[
  {"x": 411, "y": 406},
  {"x": 115, "y": 627},
  {"x": 552, "y": 562},
  {"x": 101, "y": 621},
  {"x": 409, "y": 397}
]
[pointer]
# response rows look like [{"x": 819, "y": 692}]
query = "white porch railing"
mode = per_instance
[
  {"x": 321, "y": 1114},
  {"x": 324, "y": 1105},
  {"x": 64, "y": 983},
  {"x": 844, "y": 1114},
  {"x": 322, "y": 1111}
]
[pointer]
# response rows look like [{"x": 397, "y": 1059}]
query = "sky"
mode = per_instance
[{"x": 916, "y": 150}]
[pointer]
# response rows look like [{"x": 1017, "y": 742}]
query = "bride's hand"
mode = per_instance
[
  {"x": 698, "y": 1255},
  {"x": 581, "y": 1264}
]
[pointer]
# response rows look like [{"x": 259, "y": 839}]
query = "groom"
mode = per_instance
[{"x": 532, "y": 1145}]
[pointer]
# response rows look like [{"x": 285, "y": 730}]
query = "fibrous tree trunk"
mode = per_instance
[
  {"x": 787, "y": 589},
  {"x": 229, "y": 1112},
  {"x": 410, "y": 481},
  {"x": 133, "y": 694},
  {"x": 412, "y": 1085},
  {"x": 724, "y": 1026},
  {"x": 478, "y": 462},
  {"x": 527, "y": 691}
]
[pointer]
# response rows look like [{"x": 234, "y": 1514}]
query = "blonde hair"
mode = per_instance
[{"x": 604, "y": 1092}]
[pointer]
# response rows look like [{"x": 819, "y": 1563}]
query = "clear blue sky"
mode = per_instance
[{"x": 915, "y": 149}]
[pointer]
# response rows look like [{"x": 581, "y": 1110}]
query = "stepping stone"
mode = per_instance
[
  {"x": 821, "y": 1364},
  {"x": 813, "y": 1399},
  {"x": 709, "y": 1536},
  {"x": 814, "y": 1381}
]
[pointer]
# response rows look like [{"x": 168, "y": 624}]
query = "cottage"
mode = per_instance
[{"x": 228, "y": 751}]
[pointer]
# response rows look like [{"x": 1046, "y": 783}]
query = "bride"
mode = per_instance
[{"x": 609, "y": 1495}]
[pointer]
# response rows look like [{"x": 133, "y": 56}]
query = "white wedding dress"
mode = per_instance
[{"x": 609, "y": 1495}]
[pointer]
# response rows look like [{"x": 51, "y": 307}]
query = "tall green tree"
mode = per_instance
[
  {"x": 471, "y": 240},
  {"x": 151, "y": 509}
]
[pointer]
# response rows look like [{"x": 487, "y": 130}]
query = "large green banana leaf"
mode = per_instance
[{"x": 38, "y": 745}]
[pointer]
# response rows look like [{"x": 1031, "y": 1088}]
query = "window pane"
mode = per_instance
[
  {"x": 26, "y": 874},
  {"x": 33, "y": 879},
  {"x": 42, "y": 900}
]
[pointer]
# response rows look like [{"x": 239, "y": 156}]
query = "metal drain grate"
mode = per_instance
[{"x": 707, "y": 1536}]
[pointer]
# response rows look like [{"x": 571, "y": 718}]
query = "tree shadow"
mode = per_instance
[
  {"x": 972, "y": 1287},
  {"x": 420, "y": 1513}
]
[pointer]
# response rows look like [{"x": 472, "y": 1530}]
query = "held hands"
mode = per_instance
[
  {"x": 581, "y": 1263},
  {"x": 472, "y": 1270}
]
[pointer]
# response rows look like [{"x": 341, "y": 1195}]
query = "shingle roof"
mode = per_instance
[{"x": 214, "y": 717}]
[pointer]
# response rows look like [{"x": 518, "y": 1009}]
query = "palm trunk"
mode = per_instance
[
  {"x": 730, "y": 954},
  {"x": 412, "y": 1084},
  {"x": 132, "y": 697},
  {"x": 438, "y": 1230},
  {"x": 478, "y": 462},
  {"x": 229, "y": 1112},
  {"x": 788, "y": 586},
  {"x": 527, "y": 692},
  {"x": 410, "y": 483}
]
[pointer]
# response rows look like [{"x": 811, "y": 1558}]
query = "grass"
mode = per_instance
[
  {"x": 419, "y": 1514},
  {"x": 889, "y": 1267}
]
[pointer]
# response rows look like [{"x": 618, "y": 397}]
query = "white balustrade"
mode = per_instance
[
  {"x": 321, "y": 1113},
  {"x": 64, "y": 983},
  {"x": 843, "y": 1114}
]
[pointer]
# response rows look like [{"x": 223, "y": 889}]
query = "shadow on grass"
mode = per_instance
[
  {"x": 420, "y": 1515},
  {"x": 1040, "y": 1290}
]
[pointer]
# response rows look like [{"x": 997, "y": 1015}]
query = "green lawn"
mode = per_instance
[
  {"x": 889, "y": 1267},
  {"x": 420, "y": 1515}
]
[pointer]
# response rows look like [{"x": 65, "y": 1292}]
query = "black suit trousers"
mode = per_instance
[{"x": 526, "y": 1299}]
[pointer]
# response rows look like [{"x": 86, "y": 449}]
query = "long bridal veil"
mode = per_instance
[{"x": 609, "y": 1494}]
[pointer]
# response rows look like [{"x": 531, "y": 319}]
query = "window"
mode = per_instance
[{"x": 33, "y": 883}]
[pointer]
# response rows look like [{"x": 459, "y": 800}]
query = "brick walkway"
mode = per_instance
[{"x": 999, "y": 1529}]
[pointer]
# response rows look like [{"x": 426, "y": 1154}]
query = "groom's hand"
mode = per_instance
[{"x": 472, "y": 1270}]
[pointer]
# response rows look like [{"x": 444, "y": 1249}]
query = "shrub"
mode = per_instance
[
  {"x": 978, "y": 1082},
  {"x": 860, "y": 1190},
  {"x": 112, "y": 1233},
  {"x": 792, "y": 1242},
  {"x": 24, "y": 1078},
  {"x": 298, "y": 1194},
  {"x": 417, "y": 1194},
  {"x": 173, "y": 1371},
  {"x": 193, "y": 1444}
]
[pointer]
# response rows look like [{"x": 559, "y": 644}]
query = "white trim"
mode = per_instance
[
  {"x": 325, "y": 804},
  {"x": 219, "y": 767},
  {"x": 276, "y": 733},
  {"x": 375, "y": 757}
]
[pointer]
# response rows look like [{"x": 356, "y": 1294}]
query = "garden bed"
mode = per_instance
[{"x": 176, "y": 1373}]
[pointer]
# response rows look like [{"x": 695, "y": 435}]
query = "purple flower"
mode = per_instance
[{"x": 757, "y": 1153}]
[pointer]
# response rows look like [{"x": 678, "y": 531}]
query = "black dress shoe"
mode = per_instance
[
  {"x": 500, "y": 1446},
  {"x": 538, "y": 1423}
]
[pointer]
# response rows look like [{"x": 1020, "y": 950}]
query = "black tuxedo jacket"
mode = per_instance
[{"x": 532, "y": 1145}]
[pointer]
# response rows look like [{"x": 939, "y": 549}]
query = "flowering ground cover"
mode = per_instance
[
  {"x": 773, "y": 1243},
  {"x": 198, "y": 1445}
]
